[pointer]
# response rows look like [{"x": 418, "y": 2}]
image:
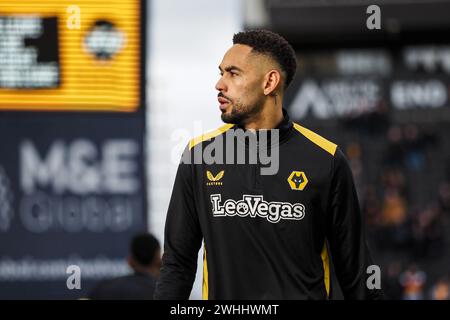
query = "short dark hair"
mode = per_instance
[
  {"x": 271, "y": 44},
  {"x": 144, "y": 248}
]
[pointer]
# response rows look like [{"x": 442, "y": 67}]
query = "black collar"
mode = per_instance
[
  {"x": 284, "y": 127},
  {"x": 286, "y": 124}
]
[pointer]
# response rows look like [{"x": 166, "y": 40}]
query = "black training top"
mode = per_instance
[{"x": 265, "y": 236}]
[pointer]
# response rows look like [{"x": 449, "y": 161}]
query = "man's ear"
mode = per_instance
[{"x": 272, "y": 81}]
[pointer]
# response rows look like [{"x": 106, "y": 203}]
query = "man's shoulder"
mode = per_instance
[
  {"x": 317, "y": 141},
  {"x": 209, "y": 135}
]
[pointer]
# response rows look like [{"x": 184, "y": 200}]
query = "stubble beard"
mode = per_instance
[{"x": 241, "y": 114}]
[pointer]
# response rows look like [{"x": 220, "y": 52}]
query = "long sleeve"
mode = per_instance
[
  {"x": 182, "y": 242},
  {"x": 346, "y": 235}
]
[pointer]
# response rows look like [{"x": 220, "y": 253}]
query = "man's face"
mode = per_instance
[{"x": 241, "y": 85}]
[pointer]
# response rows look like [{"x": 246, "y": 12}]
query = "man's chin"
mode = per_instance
[{"x": 229, "y": 118}]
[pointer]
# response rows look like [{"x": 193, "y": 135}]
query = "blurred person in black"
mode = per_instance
[
  {"x": 392, "y": 287},
  {"x": 145, "y": 260},
  {"x": 266, "y": 236}
]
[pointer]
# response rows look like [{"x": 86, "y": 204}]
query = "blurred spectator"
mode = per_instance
[
  {"x": 444, "y": 198},
  {"x": 393, "y": 211},
  {"x": 441, "y": 290},
  {"x": 428, "y": 233},
  {"x": 368, "y": 122},
  {"x": 413, "y": 282},
  {"x": 395, "y": 149},
  {"x": 407, "y": 146},
  {"x": 145, "y": 260},
  {"x": 394, "y": 223},
  {"x": 392, "y": 287},
  {"x": 353, "y": 152},
  {"x": 392, "y": 178},
  {"x": 414, "y": 148},
  {"x": 371, "y": 206}
]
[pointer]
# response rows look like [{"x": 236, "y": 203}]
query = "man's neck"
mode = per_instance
[{"x": 269, "y": 118}]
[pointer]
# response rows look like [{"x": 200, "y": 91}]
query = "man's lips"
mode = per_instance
[{"x": 223, "y": 102}]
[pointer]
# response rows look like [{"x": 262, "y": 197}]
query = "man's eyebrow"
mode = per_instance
[{"x": 231, "y": 68}]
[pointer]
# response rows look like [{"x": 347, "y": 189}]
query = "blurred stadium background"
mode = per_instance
[{"x": 94, "y": 116}]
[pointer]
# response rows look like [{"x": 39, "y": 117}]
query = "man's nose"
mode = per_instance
[{"x": 220, "y": 85}]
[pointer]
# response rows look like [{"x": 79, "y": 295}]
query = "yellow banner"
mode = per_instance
[{"x": 58, "y": 55}]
